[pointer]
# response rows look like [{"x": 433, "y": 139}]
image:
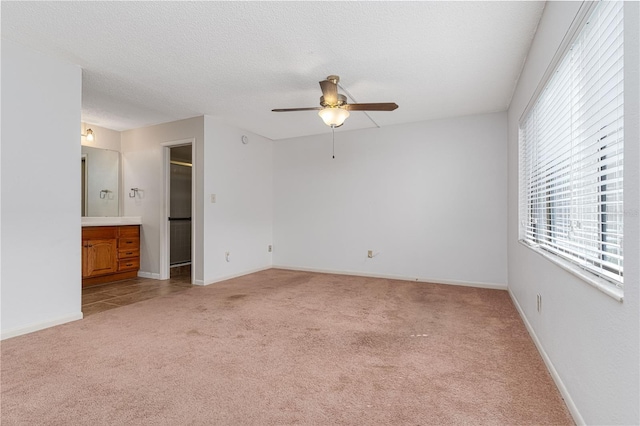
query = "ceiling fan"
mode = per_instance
[{"x": 334, "y": 108}]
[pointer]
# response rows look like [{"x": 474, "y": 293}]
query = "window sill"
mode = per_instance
[{"x": 599, "y": 283}]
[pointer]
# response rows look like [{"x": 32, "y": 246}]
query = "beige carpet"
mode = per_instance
[{"x": 282, "y": 347}]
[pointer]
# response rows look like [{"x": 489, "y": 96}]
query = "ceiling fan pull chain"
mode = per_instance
[{"x": 333, "y": 141}]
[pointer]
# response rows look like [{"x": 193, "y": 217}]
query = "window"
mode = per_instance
[{"x": 571, "y": 152}]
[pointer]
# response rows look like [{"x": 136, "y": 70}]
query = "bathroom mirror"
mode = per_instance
[{"x": 100, "y": 182}]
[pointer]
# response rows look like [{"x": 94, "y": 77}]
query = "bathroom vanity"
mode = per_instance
[{"x": 110, "y": 249}]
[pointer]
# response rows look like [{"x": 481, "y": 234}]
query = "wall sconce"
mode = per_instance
[{"x": 88, "y": 135}]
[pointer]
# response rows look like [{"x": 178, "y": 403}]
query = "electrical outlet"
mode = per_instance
[
  {"x": 370, "y": 254},
  {"x": 270, "y": 248}
]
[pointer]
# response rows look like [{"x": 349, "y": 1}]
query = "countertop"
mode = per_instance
[{"x": 111, "y": 221}]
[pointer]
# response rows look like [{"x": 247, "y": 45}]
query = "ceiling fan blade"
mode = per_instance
[
  {"x": 385, "y": 106},
  {"x": 329, "y": 91},
  {"x": 296, "y": 109}
]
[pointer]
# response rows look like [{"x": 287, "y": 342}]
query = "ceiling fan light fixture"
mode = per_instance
[{"x": 333, "y": 117}]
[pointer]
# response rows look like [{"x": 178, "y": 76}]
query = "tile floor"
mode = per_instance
[{"x": 113, "y": 295}]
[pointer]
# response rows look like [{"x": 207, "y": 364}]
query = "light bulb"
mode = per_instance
[{"x": 89, "y": 135}]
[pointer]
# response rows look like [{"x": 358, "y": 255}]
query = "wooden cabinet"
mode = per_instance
[
  {"x": 99, "y": 257},
  {"x": 110, "y": 253}
]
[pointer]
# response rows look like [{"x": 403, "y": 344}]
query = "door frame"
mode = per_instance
[
  {"x": 85, "y": 184},
  {"x": 165, "y": 250}
]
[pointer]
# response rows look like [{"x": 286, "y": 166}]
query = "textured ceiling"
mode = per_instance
[{"x": 151, "y": 62}]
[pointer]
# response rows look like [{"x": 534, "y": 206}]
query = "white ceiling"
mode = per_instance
[{"x": 151, "y": 62}]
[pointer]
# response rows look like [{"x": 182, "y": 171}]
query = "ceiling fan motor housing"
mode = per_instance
[{"x": 342, "y": 100}]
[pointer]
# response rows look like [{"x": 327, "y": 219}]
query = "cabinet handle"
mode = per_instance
[
  {"x": 129, "y": 252},
  {"x": 129, "y": 264}
]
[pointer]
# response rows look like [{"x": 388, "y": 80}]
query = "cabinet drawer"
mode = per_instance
[
  {"x": 99, "y": 232},
  {"x": 129, "y": 264},
  {"x": 132, "y": 231},
  {"x": 125, "y": 253},
  {"x": 128, "y": 243}
]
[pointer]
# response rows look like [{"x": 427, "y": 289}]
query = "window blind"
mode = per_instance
[{"x": 571, "y": 152}]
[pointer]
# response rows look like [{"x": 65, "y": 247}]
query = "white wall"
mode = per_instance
[
  {"x": 142, "y": 163},
  {"x": 241, "y": 220},
  {"x": 240, "y": 176},
  {"x": 41, "y": 253},
  {"x": 590, "y": 340},
  {"x": 428, "y": 198}
]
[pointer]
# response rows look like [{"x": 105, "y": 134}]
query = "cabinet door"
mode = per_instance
[{"x": 100, "y": 257}]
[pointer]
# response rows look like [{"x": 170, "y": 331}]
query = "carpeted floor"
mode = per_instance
[{"x": 283, "y": 347}]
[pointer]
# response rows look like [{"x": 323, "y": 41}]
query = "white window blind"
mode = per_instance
[{"x": 571, "y": 152}]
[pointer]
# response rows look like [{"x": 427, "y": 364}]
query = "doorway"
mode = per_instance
[
  {"x": 180, "y": 203},
  {"x": 178, "y": 220}
]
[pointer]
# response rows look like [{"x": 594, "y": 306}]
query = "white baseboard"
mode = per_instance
[
  {"x": 397, "y": 277},
  {"x": 573, "y": 409},
  {"x": 493, "y": 286},
  {"x": 151, "y": 275},
  {"x": 228, "y": 277},
  {"x": 40, "y": 326}
]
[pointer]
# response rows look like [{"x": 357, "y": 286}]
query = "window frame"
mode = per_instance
[{"x": 607, "y": 285}]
